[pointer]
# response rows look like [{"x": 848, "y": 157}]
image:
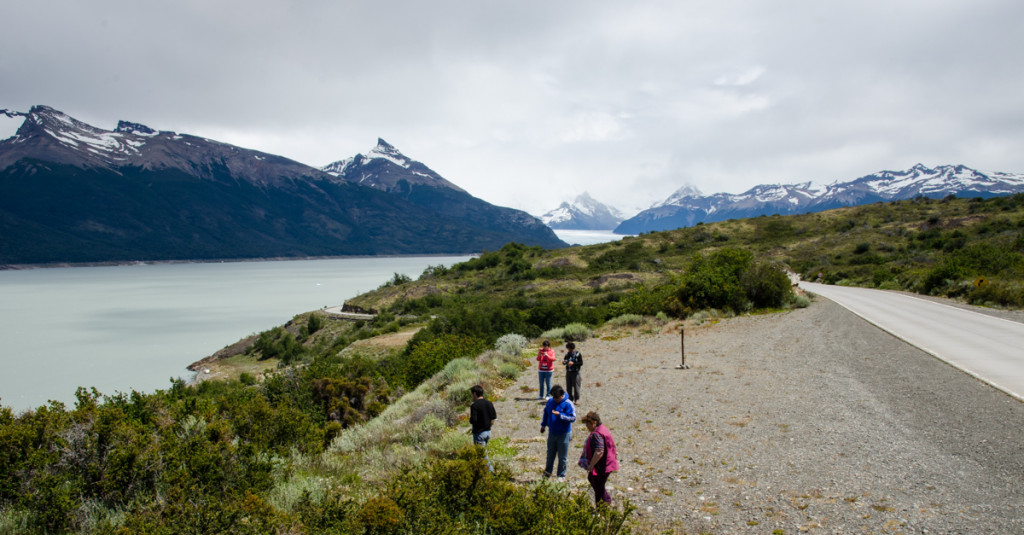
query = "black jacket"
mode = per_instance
[
  {"x": 573, "y": 361},
  {"x": 481, "y": 413}
]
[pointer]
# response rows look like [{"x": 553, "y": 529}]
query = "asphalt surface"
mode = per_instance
[{"x": 987, "y": 347}]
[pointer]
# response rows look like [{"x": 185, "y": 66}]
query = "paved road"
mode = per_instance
[{"x": 989, "y": 348}]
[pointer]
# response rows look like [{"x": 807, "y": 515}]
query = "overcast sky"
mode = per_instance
[{"x": 528, "y": 103}]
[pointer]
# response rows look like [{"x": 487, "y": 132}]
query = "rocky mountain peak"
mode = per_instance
[
  {"x": 385, "y": 168},
  {"x": 10, "y": 122},
  {"x": 134, "y": 128},
  {"x": 384, "y": 146}
]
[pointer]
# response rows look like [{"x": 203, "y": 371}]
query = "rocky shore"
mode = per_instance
[{"x": 805, "y": 421}]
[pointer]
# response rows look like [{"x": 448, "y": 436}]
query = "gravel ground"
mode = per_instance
[{"x": 806, "y": 421}]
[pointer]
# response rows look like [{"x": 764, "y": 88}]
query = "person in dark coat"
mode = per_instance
[{"x": 573, "y": 361}]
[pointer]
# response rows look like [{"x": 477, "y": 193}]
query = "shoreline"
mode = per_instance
[{"x": 116, "y": 263}]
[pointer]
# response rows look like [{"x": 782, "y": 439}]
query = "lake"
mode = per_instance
[
  {"x": 587, "y": 237},
  {"x": 134, "y": 327}
]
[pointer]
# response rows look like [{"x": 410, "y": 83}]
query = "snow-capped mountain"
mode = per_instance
[
  {"x": 72, "y": 192},
  {"x": 583, "y": 213},
  {"x": 687, "y": 206},
  {"x": 50, "y": 135},
  {"x": 384, "y": 167}
]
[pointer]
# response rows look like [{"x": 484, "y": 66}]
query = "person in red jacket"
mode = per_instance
[
  {"x": 599, "y": 457},
  {"x": 545, "y": 367}
]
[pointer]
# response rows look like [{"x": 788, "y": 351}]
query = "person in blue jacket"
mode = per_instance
[{"x": 559, "y": 414}]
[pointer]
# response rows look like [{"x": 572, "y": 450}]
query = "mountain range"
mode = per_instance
[
  {"x": 583, "y": 213},
  {"x": 688, "y": 206},
  {"x": 71, "y": 192}
]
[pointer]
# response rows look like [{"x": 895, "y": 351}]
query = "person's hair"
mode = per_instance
[
  {"x": 477, "y": 390},
  {"x": 570, "y": 345},
  {"x": 556, "y": 391},
  {"x": 592, "y": 418},
  {"x": 546, "y": 343}
]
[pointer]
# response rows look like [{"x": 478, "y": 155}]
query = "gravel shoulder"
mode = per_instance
[{"x": 809, "y": 420}]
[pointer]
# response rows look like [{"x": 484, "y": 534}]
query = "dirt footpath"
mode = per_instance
[{"x": 806, "y": 421}]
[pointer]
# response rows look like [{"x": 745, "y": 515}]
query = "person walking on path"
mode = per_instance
[
  {"x": 481, "y": 415},
  {"x": 573, "y": 361},
  {"x": 545, "y": 367},
  {"x": 559, "y": 414},
  {"x": 599, "y": 458}
]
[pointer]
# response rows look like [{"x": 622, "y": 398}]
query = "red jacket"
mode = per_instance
[{"x": 546, "y": 358}]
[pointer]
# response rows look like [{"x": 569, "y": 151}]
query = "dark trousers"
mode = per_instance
[
  {"x": 572, "y": 385},
  {"x": 598, "y": 483}
]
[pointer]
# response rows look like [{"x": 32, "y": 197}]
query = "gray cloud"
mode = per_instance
[{"x": 528, "y": 103}]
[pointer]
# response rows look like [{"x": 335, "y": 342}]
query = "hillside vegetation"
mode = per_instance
[{"x": 343, "y": 436}]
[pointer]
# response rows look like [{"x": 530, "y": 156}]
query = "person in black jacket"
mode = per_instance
[
  {"x": 573, "y": 361},
  {"x": 481, "y": 414}
]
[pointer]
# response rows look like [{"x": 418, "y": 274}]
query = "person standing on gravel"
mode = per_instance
[
  {"x": 599, "y": 458},
  {"x": 573, "y": 361},
  {"x": 545, "y": 367},
  {"x": 559, "y": 414},
  {"x": 481, "y": 414}
]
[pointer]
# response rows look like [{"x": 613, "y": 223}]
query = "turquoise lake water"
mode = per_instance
[
  {"x": 123, "y": 328},
  {"x": 135, "y": 327}
]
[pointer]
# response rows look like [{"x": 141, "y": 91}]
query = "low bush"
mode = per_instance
[
  {"x": 576, "y": 332},
  {"x": 511, "y": 344},
  {"x": 631, "y": 320}
]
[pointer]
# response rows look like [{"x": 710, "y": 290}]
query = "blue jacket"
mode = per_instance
[{"x": 562, "y": 422}]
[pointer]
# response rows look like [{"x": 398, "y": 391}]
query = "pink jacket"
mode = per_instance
[
  {"x": 546, "y": 358},
  {"x": 611, "y": 460}
]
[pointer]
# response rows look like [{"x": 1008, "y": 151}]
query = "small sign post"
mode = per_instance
[{"x": 682, "y": 349}]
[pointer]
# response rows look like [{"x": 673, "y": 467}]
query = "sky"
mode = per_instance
[{"x": 529, "y": 103}]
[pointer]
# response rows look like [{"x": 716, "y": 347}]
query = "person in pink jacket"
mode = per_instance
[
  {"x": 545, "y": 367},
  {"x": 599, "y": 457}
]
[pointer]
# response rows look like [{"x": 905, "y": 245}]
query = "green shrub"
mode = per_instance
[
  {"x": 427, "y": 358},
  {"x": 713, "y": 281},
  {"x": 632, "y": 320},
  {"x": 766, "y": 285},
  {"x": 731, "y": 279},
  {"x": 553, "y": 334},
  {"x": 278, "y": 343},
  {"x": 647, "y": 301},
  {"x": 576, "y": 332},
  {"x": 461, "y": 495},
  {"x": 314, "y": 324},
  {"x": 381, "y": 515},
  {"x": 511, "y": 344},
  {"x": 508, "y": 370},
  {"x": 989, "y": 293},
  {"x": 701, "y": 316}
]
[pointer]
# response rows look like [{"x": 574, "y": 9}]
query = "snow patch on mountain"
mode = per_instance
[
  {"x": 583, "y": 213},
  {"x": 388, "y": 152},
  {"x": 384, "y": 167}
]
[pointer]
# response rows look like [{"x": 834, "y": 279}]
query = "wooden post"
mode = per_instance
[{"x": 682, "y": 349}]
